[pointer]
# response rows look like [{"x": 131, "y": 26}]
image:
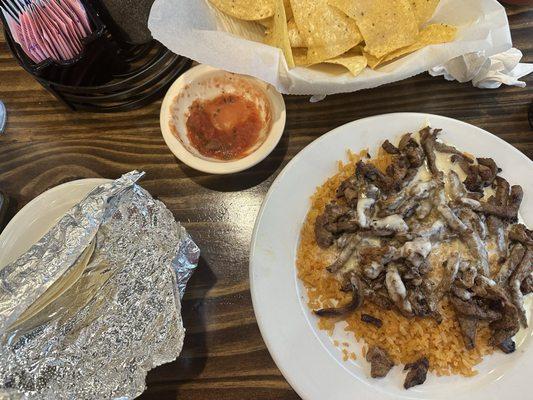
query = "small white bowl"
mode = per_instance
[{"x": 189, "y": 86}]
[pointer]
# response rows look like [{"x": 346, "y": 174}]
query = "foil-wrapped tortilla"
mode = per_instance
[{"x": 95, "y": 304}]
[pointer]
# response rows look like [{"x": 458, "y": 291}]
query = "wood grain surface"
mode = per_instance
[{"x": 224, "y": 356}]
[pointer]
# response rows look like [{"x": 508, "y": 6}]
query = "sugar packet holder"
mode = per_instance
[{"x": 49, "y": 67}]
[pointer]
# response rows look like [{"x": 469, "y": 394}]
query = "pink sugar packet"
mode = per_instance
[
  {"x": 29, "y": 34},
  {"x": 37, "y": 34},
  {"x": 48, "y": 35},
  {"x": 48, "y": 43},
  {"x": 78, "y": 8},
  {"x": 66, "y": 25},
  {"x": 47, "y": 28},
  {"x": 13, "y": 26},
  {"x": 16, "y": 32},
  {"x": 56, "y": 36},
  {"x": 22, "y": 39},
  {"x": 59, "y": 34},
  {"x": 59, "y": 24},
  {"x": 80, "y": 29},
  {"x": 27, "y": 42}
]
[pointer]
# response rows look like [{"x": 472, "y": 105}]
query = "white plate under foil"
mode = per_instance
[
  {"x": 305, "y": 355},
  {"x": 39, "y": 215}
]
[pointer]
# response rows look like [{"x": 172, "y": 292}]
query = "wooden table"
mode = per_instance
[{"x": 224, "y": 356}]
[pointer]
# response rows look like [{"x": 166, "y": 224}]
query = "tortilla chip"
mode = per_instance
[
  {"x": 288, "y": 9},
  {"x": 246, "y": 9},
  {"x": 278, "y": 36},
  {"x": 354, "y": 61},
  {"x": 386, "y": 25},
  {"x": 317, "y": 54},
  {"x": 295, "y": 38},
  {"x": 424, "y": 9},
  {"x": 372, "y": 61},
  {"x": 300, "y": 56},
  {"x": 326, "y": 30},
  {"x": 431, "y": 34},
  {"x": 267, "y": 22}
]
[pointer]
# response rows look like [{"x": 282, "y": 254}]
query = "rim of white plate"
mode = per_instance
[
  {"x": 8, "y": 235},
  {"x": 282, "y": 361}
]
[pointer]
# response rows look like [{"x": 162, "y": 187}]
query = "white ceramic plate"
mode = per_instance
[
  {"x": 39, "y": 215},
  {"x": 192, "y": 85},
  {"x": 305, "y": 355}
]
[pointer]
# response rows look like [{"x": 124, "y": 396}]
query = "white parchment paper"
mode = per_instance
[{"x": 194, "y": 29}]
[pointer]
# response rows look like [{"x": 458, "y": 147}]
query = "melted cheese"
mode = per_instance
[
  {"x": 363, "y": 204},
  {"x": 392, "y": 222},
  {"x": 420, "y": 246}
]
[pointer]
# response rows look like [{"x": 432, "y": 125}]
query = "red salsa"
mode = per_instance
[{"x": 225, "y": 127}]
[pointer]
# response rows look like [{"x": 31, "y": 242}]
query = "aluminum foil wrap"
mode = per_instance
[{"x": 116, "y": 320}]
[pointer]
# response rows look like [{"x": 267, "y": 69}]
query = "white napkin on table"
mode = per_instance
[{"x": 486, "y": 72}]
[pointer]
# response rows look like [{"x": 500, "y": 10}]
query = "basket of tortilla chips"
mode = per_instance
[{"x": 329, "y": 46}]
